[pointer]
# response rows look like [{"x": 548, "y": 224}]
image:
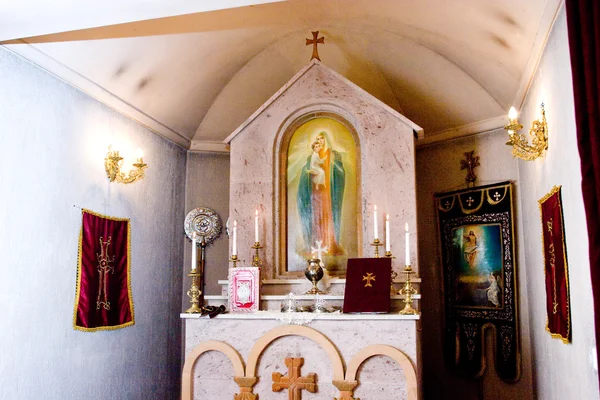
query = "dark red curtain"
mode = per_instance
[{"x": 583, "y": 20}]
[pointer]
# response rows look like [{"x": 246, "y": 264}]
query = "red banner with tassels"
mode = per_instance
[
  {"x": 555, "y": 266},
  {"x": 103, "y": 299}
]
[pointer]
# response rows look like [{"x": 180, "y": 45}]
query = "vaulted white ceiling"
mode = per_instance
[{"x": 453, "y": 67}]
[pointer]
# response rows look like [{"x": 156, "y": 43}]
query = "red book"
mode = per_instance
[{"x": 368, "y": 283}]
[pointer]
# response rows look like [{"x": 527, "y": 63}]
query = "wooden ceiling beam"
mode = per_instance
[{"x": 27, "y": 18}]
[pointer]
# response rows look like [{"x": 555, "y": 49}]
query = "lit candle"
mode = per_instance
[
  {"x": 256, "y": 227},
  {"x": 234, "y": 246},
  {"x": 375, "y": 233},
  {"x": 140, "y": 156},
  {"x": 387, "y": 233},
  {"x": 407, "y": 260},
  {"x": 512, "y": 115},
  {"x": 194, "y": 251}
]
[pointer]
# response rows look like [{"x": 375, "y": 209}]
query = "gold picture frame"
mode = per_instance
[{"x": 292, "y": 267}]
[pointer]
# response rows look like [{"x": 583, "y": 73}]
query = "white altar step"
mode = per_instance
[
  {"x": 320, "y": 316},
  {"x": 334, "y": 286},
  {"x": 273, "y": 302}
]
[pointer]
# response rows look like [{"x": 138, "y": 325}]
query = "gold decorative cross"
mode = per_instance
[
  {"x": 369, "y": 277},
  {"x": 294, "y": 382},
  {"x": 104, "y": 268},
  {"x": 314, "y": 41}
]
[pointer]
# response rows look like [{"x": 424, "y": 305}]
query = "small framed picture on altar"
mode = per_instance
[{"x": 244, "y": 289}]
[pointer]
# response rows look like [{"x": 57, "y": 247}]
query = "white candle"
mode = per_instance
[
  {"x": 512, "y": 115},
  {"x": 387, "y": 233},
  {"x": 194, "y": 251},
  {"x": 256, "y": 227},
  {"x": 375, "y": 233},
  {"x": 234, "y": 246},
  {"x": 407, "y": 250}
]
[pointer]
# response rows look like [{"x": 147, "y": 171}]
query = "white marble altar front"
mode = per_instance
[
  {"x": 380, "y": 377},
  {"x": 234, "y": 356}
]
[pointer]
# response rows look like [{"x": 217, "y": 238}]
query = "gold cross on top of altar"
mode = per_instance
[
  {"x": 294, "y": 382},
  {"x": 314, "y": 41}
]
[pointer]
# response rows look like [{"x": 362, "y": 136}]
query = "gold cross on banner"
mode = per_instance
[
  {"x": 104, "y": 268},
  {"x": 314, "y": 41},
  {"x": 369, "y": 277},
  {"x": 294, "y": 382}
]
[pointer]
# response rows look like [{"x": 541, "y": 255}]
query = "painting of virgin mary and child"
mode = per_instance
[
  {"x": 477, "y": 264},
  {"x": 321, "y": 194}
]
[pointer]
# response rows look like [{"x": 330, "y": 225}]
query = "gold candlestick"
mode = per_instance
[
  {"x": 256, "y": 262},
  {"x": 408, "y": 291},
  {"x": 234, "y": 259},
  {"x": 194, "y": 293},
  {"x": 393, "y": 290},
  {"x": 376, "y": 243}
]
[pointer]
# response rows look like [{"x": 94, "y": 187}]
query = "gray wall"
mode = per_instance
[
  {"x": 562, "y": 371},
  {"x": 438, "y": 170},
  {"x": 207, "y": 185},
  {"x": 53, "y": 139}
]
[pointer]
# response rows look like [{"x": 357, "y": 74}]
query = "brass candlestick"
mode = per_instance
[
  {"x": 234, "y": 259},
  {"x": 393, "y": 290},
  {"x": 256, "y": 262},
  {"x": 408, "y": 291},
  {"x": 376, "y": 243},
  {"x": 194, "y": 293}
]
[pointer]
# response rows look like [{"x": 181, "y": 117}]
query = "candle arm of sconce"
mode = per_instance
[{"x": 112, "y": 164}]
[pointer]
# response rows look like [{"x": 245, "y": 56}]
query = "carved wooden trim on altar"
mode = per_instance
[
  {"x": 394, "y": 354},
  {"x": 290, "y": 330},
  {"x": 346, "y": 382},
  {"x": 187, "y": 380},
  {"x": 280, "y": 183}
]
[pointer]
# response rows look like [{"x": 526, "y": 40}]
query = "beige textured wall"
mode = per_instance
[
  {"x": 438, "y": 170},
  {"x": 207, "y": 185},
  {"x": 562, "y": 371}
]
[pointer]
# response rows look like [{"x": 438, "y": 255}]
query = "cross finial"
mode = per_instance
[
  {"x": 314, "y": 41},
  {"x": 319, "y": 249},
  {"x": 469, "y": 163}
]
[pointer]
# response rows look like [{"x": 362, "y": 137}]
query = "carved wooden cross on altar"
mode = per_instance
[
  {"x": 314, "y": 41},
  {"x": 294, "y": 382}
]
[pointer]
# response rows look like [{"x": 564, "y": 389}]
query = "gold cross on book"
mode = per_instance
[
  {"x": 294, "y": 382},
  {"x": 314, "y": 41},
  {"x": 369, "y": 277}
]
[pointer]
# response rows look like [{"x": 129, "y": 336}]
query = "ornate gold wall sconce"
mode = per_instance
[
  {"x": 519, "y": 142},
  {"x": 113, "y": 163}
]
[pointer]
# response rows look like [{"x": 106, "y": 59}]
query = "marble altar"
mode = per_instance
[{"x": 370, "y": 356}]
